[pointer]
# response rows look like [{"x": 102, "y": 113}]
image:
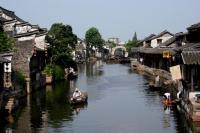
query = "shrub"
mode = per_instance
[
  {"x": 48, "y": 70},
  {"x": 58, "y": 72},
  {"x": 54, "y": 70}
]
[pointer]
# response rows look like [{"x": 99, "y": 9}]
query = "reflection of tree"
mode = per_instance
[
  {"x": 57, "y": 106},
  {"x": 37, "y": 107},
  {"x": 45, "y": 108},
  {"x": 81, "y": 68}
]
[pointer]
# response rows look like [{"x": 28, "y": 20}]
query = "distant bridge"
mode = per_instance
[{"x": 119, "y": 50}]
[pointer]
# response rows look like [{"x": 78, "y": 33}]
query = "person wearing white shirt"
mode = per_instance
[{"x": 77, "y": 93}]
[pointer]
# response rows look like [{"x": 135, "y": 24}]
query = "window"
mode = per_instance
[{"x": 159, "y": 41}]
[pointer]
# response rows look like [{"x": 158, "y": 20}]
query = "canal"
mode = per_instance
[{"x": 119, "y": 102}]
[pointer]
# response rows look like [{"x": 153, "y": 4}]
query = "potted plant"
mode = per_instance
[{"x": 48, "y": 72}]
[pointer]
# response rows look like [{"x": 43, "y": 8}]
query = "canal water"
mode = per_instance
[{"x": 119, "y": 102}]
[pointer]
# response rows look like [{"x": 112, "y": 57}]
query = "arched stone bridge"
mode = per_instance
[{"x": 122, "y": 48}]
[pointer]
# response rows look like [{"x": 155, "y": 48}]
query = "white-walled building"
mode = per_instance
[
  {"x": 114, "y": 40},
  {"x": 31, "y": 47},
  {"x": 153, "y": 40},
  {"x": 160, "y": 38},
  {"x": 146, "y": 42}
]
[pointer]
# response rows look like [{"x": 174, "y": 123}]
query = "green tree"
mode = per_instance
[
  {"x": 1, "y": 27},
  {"x": 132, "y": 43},
  {"x": 110, "y": 44},
  {"x": 62, "y": 41},
  {"x": 135, "y": 37},
  {"x": 93, "y": 39},
  {"x": 6, "y": 43}
]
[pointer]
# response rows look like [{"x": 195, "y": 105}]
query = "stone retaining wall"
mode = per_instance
[
  {"x": 165, "y": 76},
  {"x": 22, "y": 55}
]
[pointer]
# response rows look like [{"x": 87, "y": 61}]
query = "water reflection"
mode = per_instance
[
  {"x": 77, "y": 108},
  {"x": 166, "y": 117},
  {"x": 45, "y": 111},
  {"x": 94, "y": 69},
  {"x": 119, "y": 101},
  {"x": 183, "y": 125}
]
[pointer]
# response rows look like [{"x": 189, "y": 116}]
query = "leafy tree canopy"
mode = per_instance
[
  {"x": 93, "y": 38},
  {"x": 132, "y": 43},
  {"x": 110, "y": 44},
  {"x": 6, "y": 43},
  {"x": 62, "y": 41}
]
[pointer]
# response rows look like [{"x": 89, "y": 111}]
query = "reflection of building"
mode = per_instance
[
  {"x": 33, "y": 117},
  {"x": 93, "y": 69}
]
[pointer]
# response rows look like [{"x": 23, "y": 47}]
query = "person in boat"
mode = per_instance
[
  {"x": 71, "y": 70},
  {"x": 77, "y": 93},
  {"x": 166, "y": 98}
]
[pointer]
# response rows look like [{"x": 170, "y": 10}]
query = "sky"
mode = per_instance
[{"x": 113, "y": 18}]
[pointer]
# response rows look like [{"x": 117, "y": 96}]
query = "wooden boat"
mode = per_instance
[
  {"x": 156, "y": 84},
  {"x": 167, "y": 102},
  {"x": 153, "y": 86},
  {"x": 79, "y": 100},
  {"x": 72, "y": 76}
]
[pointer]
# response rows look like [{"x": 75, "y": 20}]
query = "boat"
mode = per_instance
[
  {"x": 156, "y": 84},
  {"x": 72, "y": 76},
  {"x": 153, "y": 86},
  {"x": 167, "y": 103},
  {"x": 79, "y": 100},
  {"x": 167, "y": 99}
]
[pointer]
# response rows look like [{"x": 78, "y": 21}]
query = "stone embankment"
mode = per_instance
[{"x": 151, "y": 73}]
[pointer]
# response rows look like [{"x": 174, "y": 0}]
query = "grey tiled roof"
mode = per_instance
[
  {"x": 149, "y": 37},
  {"x": 157, "y": 50},
  {"x": 162, "y": 33},
  {"x": 2, "y": 55},
  {"x": 168, "y": 42},
  {"x": 191, "y": 57},
  {"x": 3, "y": 60},
  {"x": 23, "y": 24},
  {"x": 10, "y": 14},
  {"x": 2, "y": 19},
  {"x": 26, "y": 34},
  {"x": 192, "y": 47},
  {"x": 191, "y": 54},
  {"x": 194, "y": 27}
]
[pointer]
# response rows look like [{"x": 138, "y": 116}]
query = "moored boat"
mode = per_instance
[{"x": 72, "y": 76}]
